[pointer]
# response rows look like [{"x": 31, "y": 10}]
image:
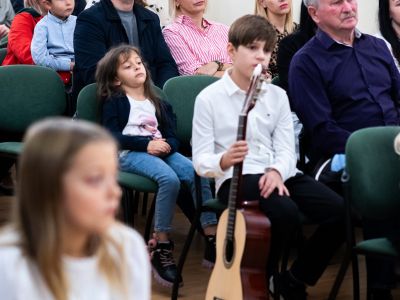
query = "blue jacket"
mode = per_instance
[
  {"x": 115, "y": 115},
  {"x": 99, "y": 28}
]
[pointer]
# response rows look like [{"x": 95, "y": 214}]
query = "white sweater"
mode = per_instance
[{"x": 20, "y": 280}]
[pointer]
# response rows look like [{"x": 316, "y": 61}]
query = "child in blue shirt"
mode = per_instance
[{"x": 52, "y": 43}]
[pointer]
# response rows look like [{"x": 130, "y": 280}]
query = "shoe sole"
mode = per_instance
[{"x": 162, "y": 281}]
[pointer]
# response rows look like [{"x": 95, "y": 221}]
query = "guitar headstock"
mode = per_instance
[{"x": 257, "y": 79}]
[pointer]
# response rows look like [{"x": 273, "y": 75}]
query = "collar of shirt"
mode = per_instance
[
  {"x": 53, "y": 18},
  {"x": 185, "y": 20},
  {"x": 327, "y": 41},
  {"x": 232, "y": 88}
]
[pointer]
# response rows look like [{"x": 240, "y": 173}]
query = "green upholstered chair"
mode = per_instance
[
  {"x": 371, "y": 180},
  {"x": 28, "y": 93},
  {"x": 3, "y": 53},
  {"x": 87, "y": 109},
  {"x": 181, "y": 93}
]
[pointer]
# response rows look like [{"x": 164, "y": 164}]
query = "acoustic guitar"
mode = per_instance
[{"x": 243, "y": 233}]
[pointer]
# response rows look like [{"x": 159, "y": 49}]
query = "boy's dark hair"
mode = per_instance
[{"x": 251, "y": 28}]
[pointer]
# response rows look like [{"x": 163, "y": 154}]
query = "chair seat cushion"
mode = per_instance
[
  {"x": 381, "y": 246},
  {"x": 137, "y": 182},
  {"x": 14, "y": 148}
]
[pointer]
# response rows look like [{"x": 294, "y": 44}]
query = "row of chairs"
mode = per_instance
[{"x": 29, "y": 93}]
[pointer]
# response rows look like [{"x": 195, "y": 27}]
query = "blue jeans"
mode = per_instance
[{"x": 168, "y": 172}]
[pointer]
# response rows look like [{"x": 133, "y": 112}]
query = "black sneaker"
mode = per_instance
[
  {"x": 290, "y": 288},
  {"x": 162, "y": 261},
  {"x": 209, "y": 252}
]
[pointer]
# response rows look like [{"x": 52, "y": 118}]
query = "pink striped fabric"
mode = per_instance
[{"x": 192, "y": 47}]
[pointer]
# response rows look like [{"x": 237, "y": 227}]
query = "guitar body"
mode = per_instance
[{"x": 245, "y": 276}]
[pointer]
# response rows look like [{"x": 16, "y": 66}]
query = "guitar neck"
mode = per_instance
[{"x": 235, "y": 188}]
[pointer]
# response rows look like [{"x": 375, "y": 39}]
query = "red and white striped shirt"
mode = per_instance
[{"x": 192, "y": 47}]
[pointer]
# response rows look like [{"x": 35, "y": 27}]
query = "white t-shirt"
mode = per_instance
[
  {"x": 142, "y": 119},
  {"x": 20, "y": 279}
]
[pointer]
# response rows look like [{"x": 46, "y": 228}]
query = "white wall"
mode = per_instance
[{"x": 226, "y": 11}]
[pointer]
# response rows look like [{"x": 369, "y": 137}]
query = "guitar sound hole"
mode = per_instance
[{"x": 229, "y": 249}]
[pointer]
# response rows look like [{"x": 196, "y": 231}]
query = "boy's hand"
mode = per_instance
[
  {"x": 270, "y": 181},
  {"x": 158, "y": 147},
  {"x": 71, "y": 65},
  {"x": 235, "y": 154}
]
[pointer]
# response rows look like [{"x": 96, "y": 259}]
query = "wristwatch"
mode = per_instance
[{"x": 220, "y": 65}]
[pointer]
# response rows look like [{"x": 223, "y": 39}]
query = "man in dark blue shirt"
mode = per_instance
[
  {"x": 337, "y": 87},
  {"x": 339, "y": 82}
]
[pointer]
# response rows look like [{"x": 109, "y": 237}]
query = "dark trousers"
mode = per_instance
[
  {"x": 380, "y": 271},
  {"x": 318, "y": 203}
]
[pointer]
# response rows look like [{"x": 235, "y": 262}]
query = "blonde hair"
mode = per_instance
[
  {"x": 263, "y": 12},
  {"x": 173, "y": 9},
  {"x": 35, "y": 5},
  {"x": 49, "y": 149}
]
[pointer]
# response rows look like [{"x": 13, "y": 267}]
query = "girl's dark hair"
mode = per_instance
[
  {"x": 307, "y": 24},
  {"x": 386, "y": 28},
  {"x": 106, "y": 73}
]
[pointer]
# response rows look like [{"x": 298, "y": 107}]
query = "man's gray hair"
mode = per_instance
[{"x": 308, "y": 3}]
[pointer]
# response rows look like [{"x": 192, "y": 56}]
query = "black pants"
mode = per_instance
[{"x": 318, "y": 203}]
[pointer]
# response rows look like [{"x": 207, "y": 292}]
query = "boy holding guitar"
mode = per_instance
[{"x": 269, "y": 161}]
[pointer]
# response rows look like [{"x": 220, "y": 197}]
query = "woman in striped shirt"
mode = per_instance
[{"x": 197, "y": 45}]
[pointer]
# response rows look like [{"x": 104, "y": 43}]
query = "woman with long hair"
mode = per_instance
[
  {"x": 279, "y": 15},
  {"x": 389, "y": 26},
  {"x": 64, "y": 242}
]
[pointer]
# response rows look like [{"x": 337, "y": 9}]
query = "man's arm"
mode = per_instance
[
  {"x": 89, "y": 46},
  {"x": 311, "y": 103}
]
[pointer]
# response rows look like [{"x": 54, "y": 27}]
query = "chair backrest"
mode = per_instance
[
  {"x": 181, "y": 94},
  {"x": 87, "y": 103},
  {"x": 29, "y": 93},
  {"x": 374, "y": 172},
  {"x": 3, "y": 53}
]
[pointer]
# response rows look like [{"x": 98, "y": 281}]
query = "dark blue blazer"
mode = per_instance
[
  {"x": 115, "y": 115},
  {"x": 99, "y": 28}
]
